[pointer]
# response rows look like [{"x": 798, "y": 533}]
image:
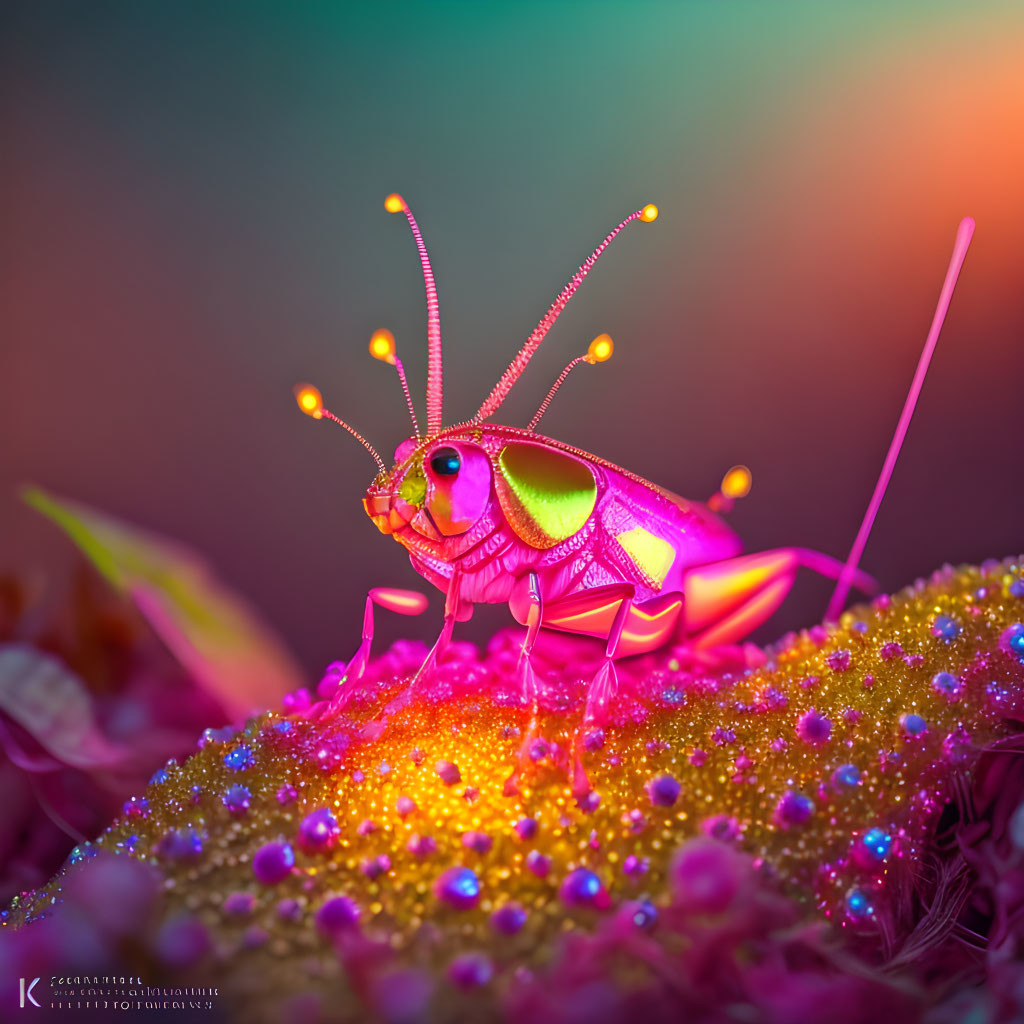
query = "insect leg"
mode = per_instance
[
  {"x": 527, "y": 682},
  {"x": 604, "y": 685},
  {"x": 404, "y": 602},
  {"x": 451, "y": 606},
  {"x": 527, "y": 679},
  {"x": 726, "y": 600}
]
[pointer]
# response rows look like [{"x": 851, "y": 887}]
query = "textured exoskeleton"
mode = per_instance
[{"x": 493, "y": 514}]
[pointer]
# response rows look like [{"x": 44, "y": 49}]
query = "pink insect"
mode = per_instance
[{"x": 495, "y": 514}]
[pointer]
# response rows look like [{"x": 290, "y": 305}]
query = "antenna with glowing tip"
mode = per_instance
[
  {"x": 735, "y": 484},
  {"x": 598, "y": 351},
  {"x": 500, "y": 390},
  {"x": 394, "y": 203},
  {"x": 382, "y": 347},
  {"x": 312, "y": 404}
]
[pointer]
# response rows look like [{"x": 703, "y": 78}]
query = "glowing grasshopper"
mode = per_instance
[{"x": 493, "y": 514}]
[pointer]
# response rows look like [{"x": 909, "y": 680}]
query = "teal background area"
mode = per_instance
[{"x": 191, "y": 201}]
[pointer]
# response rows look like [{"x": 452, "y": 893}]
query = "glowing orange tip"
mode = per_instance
[
  {"x": 405, "y": 602},
  {"x": 736, "y": 483},
  {"x": 310, "y": 400},
  {"x": 600, "y": 349},
  {"x": 382, "y": 345},
  {"x": 394, "y": 203},
  {"x": 649, "y": 213}
]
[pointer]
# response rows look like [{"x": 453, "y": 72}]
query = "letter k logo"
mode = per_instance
[{"x": 26, "y": 993}]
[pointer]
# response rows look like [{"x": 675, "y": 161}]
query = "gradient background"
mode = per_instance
[{"x": 191, "y": 219}]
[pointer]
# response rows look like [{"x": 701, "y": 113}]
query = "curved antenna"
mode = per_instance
[
  {"x": 599, "y": 351},
  {"x": 500, "y": 390},
  {"x": 963, "y": 240},
  {"x": 312, "y": 404},
  {"x": 396, "y": 204},
  {"x": 382, "y": 347}
]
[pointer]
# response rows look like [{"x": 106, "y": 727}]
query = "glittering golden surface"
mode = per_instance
[{"x": 736, "y": 746}]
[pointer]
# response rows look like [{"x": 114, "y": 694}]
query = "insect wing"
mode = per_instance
[
  {"x": 651, "y": 537},
  {"x": 546, "y": 494}
]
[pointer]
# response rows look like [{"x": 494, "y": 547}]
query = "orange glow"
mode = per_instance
[
  {"x": 382, "y": 345},
  {"x": 309, "y": 399},
  {"x": 405, "y": 602},
  {"x": 394, "y": 203},
  {"x": 736, "y": 483},
  {"x": 600, "y": 349},
  {"x": 649, "y": 213}
]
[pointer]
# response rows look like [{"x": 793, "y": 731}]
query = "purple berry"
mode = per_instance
[
  {"x": 273, "y": 862},
  {"x": 459, "y": 887},
  {"x": 663, "y": 791},
  {"x": 337, "y": 915}
]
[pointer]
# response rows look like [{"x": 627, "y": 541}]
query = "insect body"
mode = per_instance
[{"x": 495, "y": 514}]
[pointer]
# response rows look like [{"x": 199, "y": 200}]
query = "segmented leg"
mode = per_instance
[
  {"x": 528, "y": 682},
  {"x": 527, "y": 679},
  {"x": 604, "y": 685},
  {"x": 404, "y": 602},
  {"x": 451, "y": 607},
  {"x": 726, "y": 600},
  {"x": 592, "y": 613}
]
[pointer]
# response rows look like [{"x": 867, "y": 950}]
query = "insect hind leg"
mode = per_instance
[
  {"x": 832, "y": 569},
  {"x": 725, "y": 601}
]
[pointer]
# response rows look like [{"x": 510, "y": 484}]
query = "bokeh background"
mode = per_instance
[{"x": 191, "y": 201}]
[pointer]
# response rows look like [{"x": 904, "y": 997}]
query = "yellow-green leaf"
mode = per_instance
[{"x": 216, "y": 635}]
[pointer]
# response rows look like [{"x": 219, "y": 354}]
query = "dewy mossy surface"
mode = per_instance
[{"x": 322, "y": 851}]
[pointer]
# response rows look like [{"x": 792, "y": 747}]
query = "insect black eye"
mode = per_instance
[{"x": 445, "y": 462}]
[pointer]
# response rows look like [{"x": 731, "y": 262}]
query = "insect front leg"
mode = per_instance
[
  {"x": 404, "y": 602},
  {"x": 451, "y": 607}
]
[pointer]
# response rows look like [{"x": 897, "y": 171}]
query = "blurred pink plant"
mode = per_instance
[
  {"x": 91, "y": 703},
  {"x": 102, "y": 683}
]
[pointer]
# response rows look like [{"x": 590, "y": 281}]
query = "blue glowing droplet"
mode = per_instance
[
  {"x": 82, "y": 852},
  {"x": 946, "y": 628},
  {"x": 1013, "y": 639},
  {"x": 859, "y": 905},
  {"x": 458, "y": 887},
  {"x": 914, "y": 725},
  {"x": 878, "y": 843},
  {"x": 239, "y": 759}
]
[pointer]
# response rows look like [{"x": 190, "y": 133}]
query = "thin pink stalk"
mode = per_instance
[{"x": 963, "y": 240}]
